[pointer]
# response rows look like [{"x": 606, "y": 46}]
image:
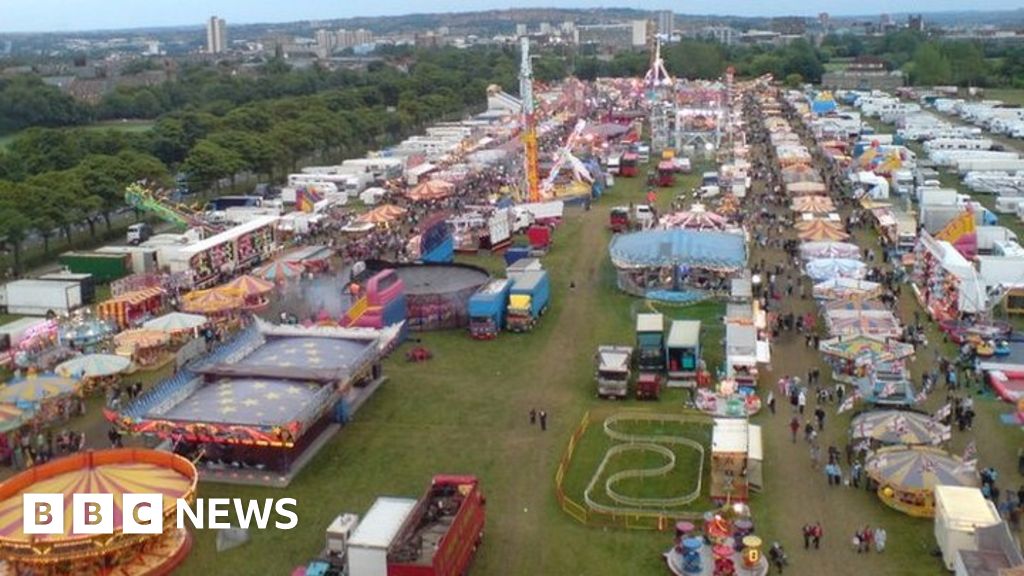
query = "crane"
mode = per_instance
[{"x": 529, "y": 124}]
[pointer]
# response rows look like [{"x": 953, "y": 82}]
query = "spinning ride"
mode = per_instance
[{"x": 119, "y": 472}]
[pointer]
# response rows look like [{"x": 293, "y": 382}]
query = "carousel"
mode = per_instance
[
  {"x": 118, "y": 471},
  {"x": 813, "y": 204},
  {"x": 818, "y": 229},
  {"x": 41, "y": 397},
  {"x": 892, "y": 427},
  {"x": 280, "y": 271},
  {"x": 253, "y": 290},
  {"x": 696, "y": 218},
  {"x": 142, "y": 346},
  {"x": 85, "y": 332},
  {"x": 852, "y": 356},
  {"x": 724, "y": 544},
  {"x": 906, "y": 476},
  {"x": 212, "y": 302},
  {"x": 94, "y": 370}
]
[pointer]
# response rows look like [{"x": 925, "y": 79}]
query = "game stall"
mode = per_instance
[
  {"x": 142, "y": 346},
  {"x": 133, "y": 308},
  {"x": 945, "y": 283}
]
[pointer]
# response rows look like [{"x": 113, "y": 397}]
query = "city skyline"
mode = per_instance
[{"x": 43, "y": 16}]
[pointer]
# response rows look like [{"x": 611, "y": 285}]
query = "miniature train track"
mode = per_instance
[{"x": 653, "y": 443}]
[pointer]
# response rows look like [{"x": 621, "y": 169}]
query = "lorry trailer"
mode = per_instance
[
  {"x": 528, "y": 300},
  {"x": 487, "y": 309}
]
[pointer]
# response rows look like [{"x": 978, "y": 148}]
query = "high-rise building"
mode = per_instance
[
  {"x": 545, "y": 28},
  {"x": 521, "y": 30},
  {"x": 325, "y": 40},
  {"x": 666, "y": 23},
  {"x": 916, "y": 23},
  {"x": 824, "y": 20},
  {"x": 639, "y": 35},
  {"x": 216, "y": 35}
]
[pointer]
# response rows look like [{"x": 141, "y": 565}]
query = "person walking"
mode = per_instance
[
  {"x": 543, "y": 420},
  {"x": 533, "y": 416},
  {"x": 807, "y": 536},
  {"x": 801, "y": 401},
  {"x": 794, "y": 427},
  {"x": 819, "y": 413},
  {"x": 777, "y": 556},
  {"x": 816, "y": 533},
  {"x": 771, "y": 401}
]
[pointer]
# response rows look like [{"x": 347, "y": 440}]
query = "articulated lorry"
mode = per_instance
[
  {"x": 487, "y": 309},
  {"x": 528, "y": 300}
]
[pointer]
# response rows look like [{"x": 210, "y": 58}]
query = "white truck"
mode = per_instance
[
  {"x": 613, "y": 370},
  {"x": 540, "y": 211},
  {"x": 988, "y": 236},
  {"x": 40, "y": 297},
  {"x": 959, "y": 511}
]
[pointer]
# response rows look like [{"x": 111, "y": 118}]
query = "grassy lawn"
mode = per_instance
[
  {"x": 1014, "y": 96},
  {"x": 680, "y": 481},
  {"x": 120, "y": 125}
]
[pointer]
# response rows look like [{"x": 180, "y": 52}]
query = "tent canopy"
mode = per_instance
[
  {"x": 821, "y": 269},
  {"x": 696, "y": 218},
  {"x": 175, "y": 322},
  {"x": 430, "y": 190},
  {"x": 897, "y": 427},
  {"x": 829, "y": 249},
  {"x": 819, "y": 229},
  {"x": 94, "y": 366},
  {"x": 382, "y": 214},
  {"x": 711, "y": 250},
  {"x": 813, "y": 204},
  {"x": 918, "y": 468}
]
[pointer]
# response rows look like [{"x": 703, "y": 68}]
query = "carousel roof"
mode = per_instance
[
  {"x": 37, "y": 388},
  {"x": 846, "y": 288},
  {"x": 430, "y": 190},
  {"x": 249, "y": 285},
  {"x": 696, "y": 218},
  {"x": 211, "y": 301},
  {"x": 876, "y": 348},
  {"x": 819, "y": 229},
  {"x": 714, "y": 250},
  {"x": 813, "y": 204},
  {"x": 821, "y": 269},
  {"x": 807, "y": 187},
  {"x": 919, "y": 468},
  {"x": 142, "y": 338},
  {"x": 828, "y": 249},
  {"x": 382, "y": 214},
  {"x": 280, "y": 270},
  {"x": 12, "y": 417},
  {"x": 94, "y": 366},
  {"x": 850, "y": 323},
  {"x": 175, "y": 322},
  {"x": 898, "y": 427}
]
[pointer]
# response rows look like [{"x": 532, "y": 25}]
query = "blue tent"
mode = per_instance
[{"x": 697, "y": 249}]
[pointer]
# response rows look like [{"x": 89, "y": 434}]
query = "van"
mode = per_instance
[
  {"x": 138, "y": 233},
  {"x": 644, "y": 216}
]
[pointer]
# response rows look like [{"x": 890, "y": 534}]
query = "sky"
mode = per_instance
[{"x": 70, "y": 15}]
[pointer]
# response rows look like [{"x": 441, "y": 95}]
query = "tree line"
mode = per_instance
[{"x": 216, "y": 127}]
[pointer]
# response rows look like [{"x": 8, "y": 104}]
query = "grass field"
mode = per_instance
[
  {"x": 1014, "y": 96},
  {"x": 681, "y": 480},
  {"x": 123, "y": 126}
]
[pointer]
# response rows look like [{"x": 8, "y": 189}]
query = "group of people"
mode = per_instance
[
  {"x": 24, "y": 449},
  {"x": 540, "y": 416}
]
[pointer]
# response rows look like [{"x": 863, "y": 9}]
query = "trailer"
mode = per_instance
[
  {"x": 522, "y": 266},
  {"x": 86, "y": 286},
  {"x": 487, "y": 309},
  {"x": 104, "y": 267},
  {"x": 628, "y": 164},
  {"x": 528, "y": 300},
  {"x": 666, "y": 173},
  {"x": 613, "y": 370},
  {"x": 959, "y": 512},
  {"x": 682, "y": 352},
  {"x": 618, "y": 219},
  {"x": 650, "y": 342},
  {"x": 144, "y": 260},
  {"x": 40, "y": 297},
  {"x": 437, "y": 535}
]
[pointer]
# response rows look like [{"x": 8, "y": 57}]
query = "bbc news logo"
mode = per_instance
[{"x": 44, "y": 514}]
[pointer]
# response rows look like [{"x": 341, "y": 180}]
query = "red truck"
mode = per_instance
[
  {"x": 618, "y": 219},
  {"x": 437, "y": 535},
  {"x": 443, "y": 532}
]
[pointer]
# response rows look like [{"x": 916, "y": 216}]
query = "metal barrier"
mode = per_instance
[{"x": 608, "y": 517}]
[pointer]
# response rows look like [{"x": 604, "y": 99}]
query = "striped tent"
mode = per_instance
[
  {"x": 212, "y": 301},
  {"x": 819, "y": 229},
  {"x": 898, "y": 427}
]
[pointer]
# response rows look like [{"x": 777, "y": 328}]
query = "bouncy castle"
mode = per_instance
[{"x": 381, "y": 304}]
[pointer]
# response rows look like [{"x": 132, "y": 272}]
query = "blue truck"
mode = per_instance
[
  {"x": 487, "y": 309},
  {"x": 528, "y": 300}
]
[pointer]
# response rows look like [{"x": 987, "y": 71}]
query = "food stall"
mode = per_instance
[{"x": 132, "y": 308}]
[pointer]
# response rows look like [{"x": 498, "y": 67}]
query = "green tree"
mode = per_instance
[
  {"x": 208, "y": 163},
  {"x": 929, "y": 66}
]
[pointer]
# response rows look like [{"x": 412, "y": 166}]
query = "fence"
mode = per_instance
[{"x": 633, "y": 520}]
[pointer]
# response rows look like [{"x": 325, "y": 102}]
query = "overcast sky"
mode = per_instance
[{"x": 65, "y": 15}]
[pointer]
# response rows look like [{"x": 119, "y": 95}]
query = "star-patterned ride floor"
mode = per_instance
[
  {"x": 246, "y": 401},
  {"x": 306, "y": 353}
]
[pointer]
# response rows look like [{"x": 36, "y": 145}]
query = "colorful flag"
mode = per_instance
[
  {"x": 943, "y": 412},
  {"x": 970, "y": 452},
  {"x": 847, "y": 403}
]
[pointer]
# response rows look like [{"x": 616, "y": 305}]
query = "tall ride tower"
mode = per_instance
[
  {"x": 661, "y": 97},
  {"x": 531, "y": 184}
]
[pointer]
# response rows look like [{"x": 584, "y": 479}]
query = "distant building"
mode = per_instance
[
  {"x": 666, "y": 23},
  {"x": 789, "y": 25},
  {"x": 521, "y": 30},
  {"x": 545, "y": 28},
  {"x": 152, "y": 48},
  {"x": 216, "y": 35},
  {"x": 824, "y": 20},
  {"x": 429, "y": 40},
  {"x": 759, "y": 37},
  {"x": 722, "y": 34},
  {"x": 916, "y": 23},
  {"x": 568, "y": 28},
  {"x": 864, "y": 73},
  {"x": 614, "y": 37}
]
